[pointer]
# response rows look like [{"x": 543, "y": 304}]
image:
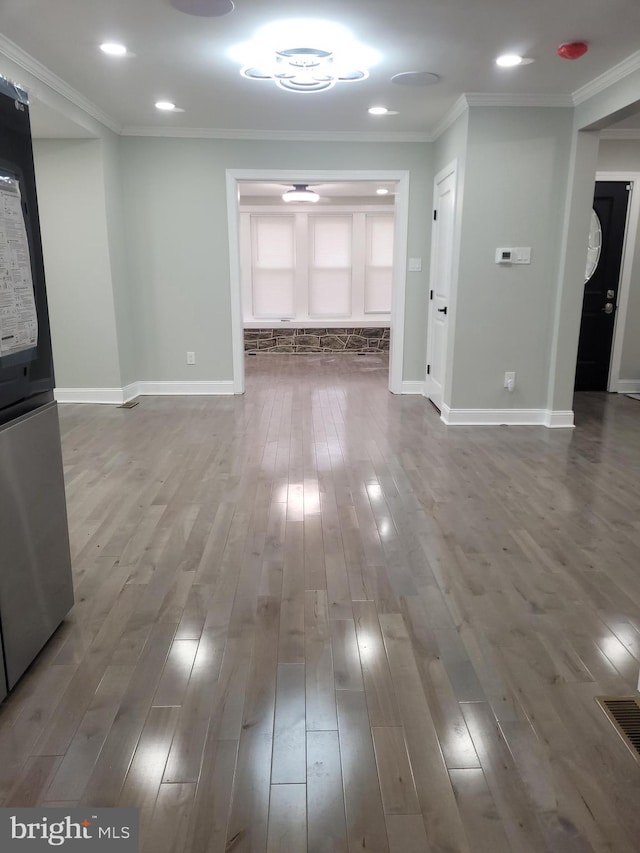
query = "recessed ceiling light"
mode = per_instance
[
  {"x": 378, "y": 111},
  {"x": 167, "y": 106},
  {"x": 509, "y": 60},
  {"x": 382, "y": 191},
  {"x": 113, "y": 48}
]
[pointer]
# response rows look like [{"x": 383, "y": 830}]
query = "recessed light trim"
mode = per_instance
[
  {"x": 509, "y": 60},
  {"x": 165, "y": 106},
  {"x": 382, "y": 191},
  {"x": 112, "y": 48},
  {"x": 378, "y": 111}
]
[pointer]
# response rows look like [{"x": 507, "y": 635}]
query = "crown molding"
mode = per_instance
[
  {"x": 620, "y": 133},
  {"x": 511, "y": 99},
  {"x": 608, "y": 78},
  {"x": 16, "y": 54},
  {"x": 458, "y": 109},
  {"x": 278, "y": 135}
]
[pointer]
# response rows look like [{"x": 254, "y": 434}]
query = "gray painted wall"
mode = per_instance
[
  {"x": 624, "y": 156},
  {"x": 121, "y": 282},
  {"x": 515, "y": 184},
  {"x": 71, "y": 199},
  {"x": 177, "y": 243}
]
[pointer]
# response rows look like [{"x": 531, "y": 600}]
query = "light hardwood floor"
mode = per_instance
[{"x": 315, "y": 618}]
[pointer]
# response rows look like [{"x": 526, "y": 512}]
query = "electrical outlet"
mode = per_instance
[
  {"x": 510, "y": 381},
  {"x": 191, "y": 358}
]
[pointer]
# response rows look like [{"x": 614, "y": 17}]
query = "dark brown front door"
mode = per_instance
[{"x": 610, "y": 204}]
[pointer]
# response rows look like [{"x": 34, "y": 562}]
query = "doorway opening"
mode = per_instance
[
  {"x": 326, "y": 277},
  {"x": 603, "y": 277}
]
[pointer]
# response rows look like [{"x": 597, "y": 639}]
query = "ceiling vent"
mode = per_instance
[{"x": 204, "y": 8}]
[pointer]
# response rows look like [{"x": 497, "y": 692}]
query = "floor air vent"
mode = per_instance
[
  {"x": 129, "y": 404},
  {"x": 624, "y": 713}
]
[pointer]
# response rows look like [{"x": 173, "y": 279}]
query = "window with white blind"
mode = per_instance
[
  {"x": 378, "y": 263},
  {"x": 330, "y": 265},
  {"x": 317, "y": 266},
  {"x": 273, "y": 266}
]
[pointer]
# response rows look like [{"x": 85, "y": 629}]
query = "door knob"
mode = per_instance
[
  {"x": 608, "y": 308},
  {"x": 442, "y": 310}
]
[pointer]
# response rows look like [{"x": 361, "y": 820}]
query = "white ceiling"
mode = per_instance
[
  {"x": 184, "y": 58},
  {"x": 339, "y": 192}
]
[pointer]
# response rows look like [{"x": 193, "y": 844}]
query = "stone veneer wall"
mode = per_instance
[{"x": 359, "y": 340}]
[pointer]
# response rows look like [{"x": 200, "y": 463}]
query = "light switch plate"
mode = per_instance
[{"x": 415, "y": 264}]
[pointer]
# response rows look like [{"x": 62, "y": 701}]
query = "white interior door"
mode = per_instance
[{"x": 441, "y": 276}]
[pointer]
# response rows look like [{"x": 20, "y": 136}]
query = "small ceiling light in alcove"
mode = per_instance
[
  {"x": 382, "y": 191},
  {"x": 204, "y": 8},
  {"x": 301, "y": 192},
  {"x": 112, "y": 48}
]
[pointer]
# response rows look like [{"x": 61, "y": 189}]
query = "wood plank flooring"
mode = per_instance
[{"x": 313, "y": 618}]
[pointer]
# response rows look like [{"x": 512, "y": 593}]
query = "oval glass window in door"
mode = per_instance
[{"x": 595, "y": 246}]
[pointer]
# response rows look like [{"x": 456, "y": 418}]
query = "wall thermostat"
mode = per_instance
[
  {"x": 514, "y": 255},
  {"x": 504, "y": 256}
]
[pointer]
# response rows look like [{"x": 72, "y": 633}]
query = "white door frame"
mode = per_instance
[
  {"x": 289, "y": 176},
  {"x": 450, "y": 169},
  {"x": 624, "y": 285}
]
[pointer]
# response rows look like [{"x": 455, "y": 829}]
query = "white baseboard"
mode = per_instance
[
  {"x": 111, "y": 396},
  {"x": 202, "y": 388},
  {"x": 628, "y": 386},
  {"x": 558, "y": 419},
  {"x": 129, "y": 392},
  {"x": 506, "y": 417},
  {"x": 413, "y": 386},
  {"x": 118, "y": 396}
]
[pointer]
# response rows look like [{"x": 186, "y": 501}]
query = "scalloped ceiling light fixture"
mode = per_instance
[
  {"x": 304, "y": 56},
  {"x": 204, "y": 8}
]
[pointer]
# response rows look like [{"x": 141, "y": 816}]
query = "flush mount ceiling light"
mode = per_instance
[
  {"x": 112, "y": 48},
  {"x": 382, "y": 191},
  {"x": 165, "y": 106},
  {"x": 204, "y": 8},
  {"x": 415, "y": 78},
  {"x": 304, "y": 56},
  {"x": 301, "y": 192}
]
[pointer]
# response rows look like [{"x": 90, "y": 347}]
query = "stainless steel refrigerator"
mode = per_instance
[{"x": 36, "y": 589}]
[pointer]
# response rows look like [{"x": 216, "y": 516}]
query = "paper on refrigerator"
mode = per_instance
[{"x": 18, "y": 318}]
